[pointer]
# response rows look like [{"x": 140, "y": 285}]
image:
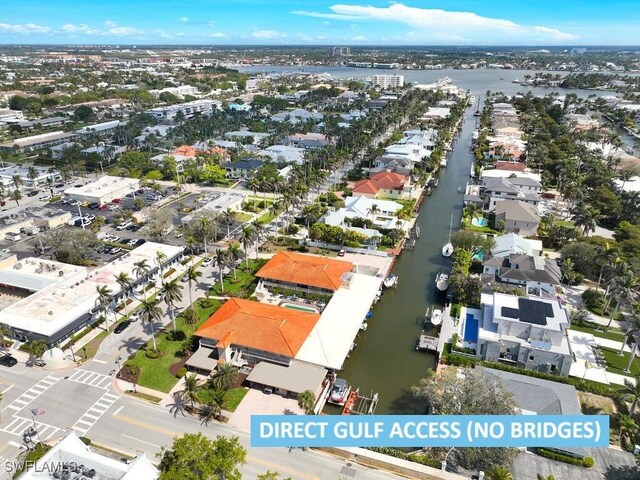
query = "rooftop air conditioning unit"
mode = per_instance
[{"x": 60, "y": 273}]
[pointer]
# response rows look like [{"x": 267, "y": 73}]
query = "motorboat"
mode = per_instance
[
  {"x": 339, "y": 392},
  {"x": 364, "y": 326},
  {"x": 436, "y": 317},
  {"x": 391, "y": 280},
  {"x": 442, "y": 281},
  {"x": 417, "y": 232},
  {"x": 447, "y": 250}
]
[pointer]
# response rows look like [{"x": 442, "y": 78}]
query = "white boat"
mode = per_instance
[
  {"x": 447, "y": 250},
  {"x": 436, "y": 317},
  {"x": 472, "y": 100},
  {"x": 390, "y": 281},
  {"x": 364, "y": 326},
  {"x": 442, "y": 281},
  {"x": 443, "y": 162},
  {"x": 417, "y": 232}
]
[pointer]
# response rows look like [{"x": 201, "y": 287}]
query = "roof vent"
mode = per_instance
[
  {"x": 60, "y": 273},
  {"x": 50, "y": 312}
]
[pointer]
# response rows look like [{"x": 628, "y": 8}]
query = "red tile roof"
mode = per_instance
[
  {"x": 260, "y": 326},
  {"x": 510, "y": 166},
  {"x": 309, "y": 270},
  {"x": 381, "y": 180}
]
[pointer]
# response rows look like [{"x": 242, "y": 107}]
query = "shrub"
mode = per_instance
[
  {"x": 456, "y": 308},
  {"x": 153, "y": 354},
  {"x": 181, "y": 373},
  {"x": 207, "y": 303},
  {"x": 85, "y": 440},
  {"x": 586, "y": 462},
  {"x": 593, "y": 300}
]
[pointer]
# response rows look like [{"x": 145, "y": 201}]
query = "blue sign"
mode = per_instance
[{"x": 559, "y": 431}]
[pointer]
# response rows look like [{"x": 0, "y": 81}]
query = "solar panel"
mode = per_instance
[
  {"x": 532, "y": 311},
  {"x": 510, "y": 312}
]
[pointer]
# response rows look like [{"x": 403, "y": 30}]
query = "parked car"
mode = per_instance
[
  {"x": 115, "y": 200},
  {"x": 59, "y": 185},
  {"x": 114, "y": 207},
  {"x": 8, "y": 361},
  {"x": 33, "y": 194},
  {"x": 121, "y": 327},
  {"x": 94, "y": 205},
  {"x": 207, "y": 261},
  {"x": 84, "y": 204},
  {"x": 123, "y": 225},
  {"x": 341, "y": 253},
  {"x": 115, "y": 250}
]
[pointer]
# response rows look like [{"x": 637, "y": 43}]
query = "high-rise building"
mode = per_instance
[
  {"x": 340, "y": 51},
  {"x": 388, "y": 81}
]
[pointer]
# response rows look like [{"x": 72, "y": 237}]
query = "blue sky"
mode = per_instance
[{"x": 263, "y": 22}]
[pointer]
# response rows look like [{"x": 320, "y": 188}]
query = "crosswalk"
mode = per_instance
[
  {"x": 18, "y": 426},
  {"x": 94, "y": 413},
  {"x": 34, "y": 392},
  {"x": 94, "y": 379}
]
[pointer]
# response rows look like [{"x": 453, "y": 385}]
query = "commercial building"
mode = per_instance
[
  {"x": 188, "y": 109},
  {"x": 104, "y": 128},
  {"x": 65, "y": 298},
  {"x": 217, "y": 203},
  {"x": 340, "y": 51},
  {"x": 35, "y": 142},
  {"x": 43, "y": 175},
  {"x": 83, "y": 463},
  {"x": 103, "y": 190},
  {"x": 520, "y": 331},
  {"x": 388, "y": 81},
  {"x": 180, "y": 91}
]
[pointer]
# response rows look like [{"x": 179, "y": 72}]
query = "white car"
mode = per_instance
[
  {"x": 207, "y": 261},
  {"x": 113, "y": 207},
  {"x": 123, "y": 225}
]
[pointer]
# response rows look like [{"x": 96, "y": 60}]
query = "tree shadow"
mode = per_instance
[
  {"x": 286, "y": 411},
  {"x": 178, "y": 405},
  {"x": 132, "y": 344},
  {"x": 152, "y": 328},
  {"x": 408, "y": 404},
  {"x": 622, "y": 472}
]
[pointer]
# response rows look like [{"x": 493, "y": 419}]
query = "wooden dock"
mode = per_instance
[{"x": 358, "y": 404}]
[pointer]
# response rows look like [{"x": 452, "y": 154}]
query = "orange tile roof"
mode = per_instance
[
  {"x": 365, "y": 186},
  {"x": 310, "y": 270},
  {"x": 385, "y": 180},
  {"x": 260, "y": 326},
  {"x": 511, "y": 166},
  {"x": 185, "y": 151}
]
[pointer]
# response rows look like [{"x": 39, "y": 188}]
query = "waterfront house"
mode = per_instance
[
  {"x": 501, "y": 189},
  {"x": 536, "y": 275},
  {"x": 385, "y": 185},
  {"x": 361, "y": 206},
  {"x": 513, "y": 243},
  {"x": 518, "y": 216}
]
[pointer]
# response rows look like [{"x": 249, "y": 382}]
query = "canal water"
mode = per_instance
[{"x": 385, "y": 360}]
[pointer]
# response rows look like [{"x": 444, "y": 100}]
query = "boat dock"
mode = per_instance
[
  {"x": 427, "y": 343},
  {"x": 358, "y": 404}
]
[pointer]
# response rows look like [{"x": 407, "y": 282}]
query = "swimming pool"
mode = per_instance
[
  {"x": 470, "y": 329},
  {"x": 479, "y": 222},
  {"x": 478, "y": 256},
  {"x": 299, "y": 307}
]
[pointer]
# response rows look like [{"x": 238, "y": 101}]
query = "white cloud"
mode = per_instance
[
  {"x": 114, "y": 29},
  {"x": 434, "y": 22},
  {"x": 22, "y": 29},
  {"x": 267, "y": 34},
  {"x": 82, "y": 28},
  {"x": 184, "y": 19},
  {"x": 325, "y": 23},
  {"x": 218, "y": 35},
  {"x": 360, "y": 38}
]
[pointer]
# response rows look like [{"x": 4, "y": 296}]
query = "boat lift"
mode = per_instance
[{"x": 358, "y": 404}]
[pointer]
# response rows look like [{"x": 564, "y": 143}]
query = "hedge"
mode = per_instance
[
  {"x": 421, "y": 459},
  {"x": 586, "y": 462},
  {"x": 584, "y": 385}
]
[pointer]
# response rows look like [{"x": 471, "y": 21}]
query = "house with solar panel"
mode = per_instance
[{"x": 525, "y": 332}]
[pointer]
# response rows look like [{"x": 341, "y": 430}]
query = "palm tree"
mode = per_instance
[
  {"x": 545, "y": 477},
  {"x": 228, "y": 217},
  {"x": 372, "y": 210},
  {"x": 16, "y": 196},
  {"x": 190, "y": 242},
  {"x": 221, "y": 259},
  {"x": 586, "y": 217},
  {"x": 625, "y": 291},
  {"x": 213, "y": 408},
  {"x": 259, "y": 228},
  {"x": 17, "y": 181},
  {"x": 104, "y": 301},
  {"x": 5, "y": 331},
  {"x": 190, "y": 316},
  {"x": 124, "y": 280},
  {"x": 632, "y": 391},
  {"x": 141, "y": 269},
  {"x": 254, "y": 184},
  {"x": 499, "y": 473},
  {"x": 170, "y": 293},
  {"x": 191, "y": 388},
  {"x": 307, "y": 401},
  {"x": 36, "y": 348},
  {"x": 234, "y": 253},
  {"x": 247, "y": 237},
  {"x": 225, "y": 376},
  {"x": 192, "y": 276},
  {"x": 161, "y": 258},
  {"x": 150, "y": 313},
  {"x": 628, "y": 427},
  {"x": 606, "y": 257},
  {"x": 32, "y": 174}
]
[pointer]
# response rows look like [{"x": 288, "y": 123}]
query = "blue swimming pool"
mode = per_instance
[
  {"x": 479, "y": 222},
  {"x": 470, "y": 329}
]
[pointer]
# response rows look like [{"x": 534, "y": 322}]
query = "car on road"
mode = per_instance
[
  {"x": 74, "y": 203},
  {"x": 59, "y": 185},
  {"x": 341, "y": 253},
  {"x": 207, "y": 261},
  {"x": 44, "y": 198},
  {"x": 8, "y": 361},
  {"x": 121, "y": 327},
  {"x": 94, "y": 205},
  {"x": 38, "y": 362},
  {"x": 112, "y": 238},
  {"x": 33, "y": 194}
]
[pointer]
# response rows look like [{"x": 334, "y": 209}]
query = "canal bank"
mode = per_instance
[{"x": 386, "y": 360}]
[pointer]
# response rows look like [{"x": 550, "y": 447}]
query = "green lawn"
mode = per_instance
[
  {"x": 611, "y": 333},
  {"x": 233, "y": 399},
  {"x": 266, "y": 218},
  {"x": 243, "y": 217},
  {"x": 564, "y": 223},
  {"x": 243, "y": 285},
  {"x": 154, "y": 372},
  {"x": 617, "y": 363}
]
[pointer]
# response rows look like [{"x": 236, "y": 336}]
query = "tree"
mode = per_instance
[
  {"x": 124, "y": 281},
  {"x": 150, "y": 313},
  {"x": 372, "y": 210},
  {"x": 83, "y": 113},
  {"x": 192, "y": 276},
  {"x": 170, "y": 293},
  {"x": 221, "y": 259},
  {"x": 545, "y": 477},
  {"x": 69, "y": 245},
  {"x": 224, "y": 377},
  {"x": 271, "y": 475},
  {"x": 499, "y": 473},
  {"x": 632, "y": 390},
  {"x": 190, "y": 316},
  {"x": 141, "y": 269},
  {"x": 234, "y": 253},
  {"x": 104, "y": 301},
  {"x": 228, "y": 217},
  {"x": 36, "y": 348},
  {"x": 160, "y": 223},
  {"x": 307, "y": 401},
  {"x": 16, "y": 196},
  {"x": 17, "y": 182},
  {"x": 213, "y": 408},
  {"x": 197, "y": 457},
  {"x": 586, "y": 217},
  {"x": 477, "y": 393},
  {"x": 191, "y": 388},
  {"x": 472, "y": 242},
  {"x": 247, "y": 237},
  {"x": 5, "y": 331},
  {"x": 624, "y": 290}
]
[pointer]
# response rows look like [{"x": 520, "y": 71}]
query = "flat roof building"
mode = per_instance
[
  {"x": 218, "y": 202},
  {"x": 104, "y": 189},
  {"x": 36, "y": 142},
  {"x": 103, "y": 128},
  {"x": 66, "y": 306}
]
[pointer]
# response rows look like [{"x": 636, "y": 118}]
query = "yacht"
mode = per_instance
[
  {"x": 447, "y": 250},
  {"x": 442, "y": 281},
  {"x": 436, "y": 317},
  {"x": 390, "y": 281}
]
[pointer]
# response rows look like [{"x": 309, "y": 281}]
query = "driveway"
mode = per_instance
[{"x": 256, "y": 402}]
